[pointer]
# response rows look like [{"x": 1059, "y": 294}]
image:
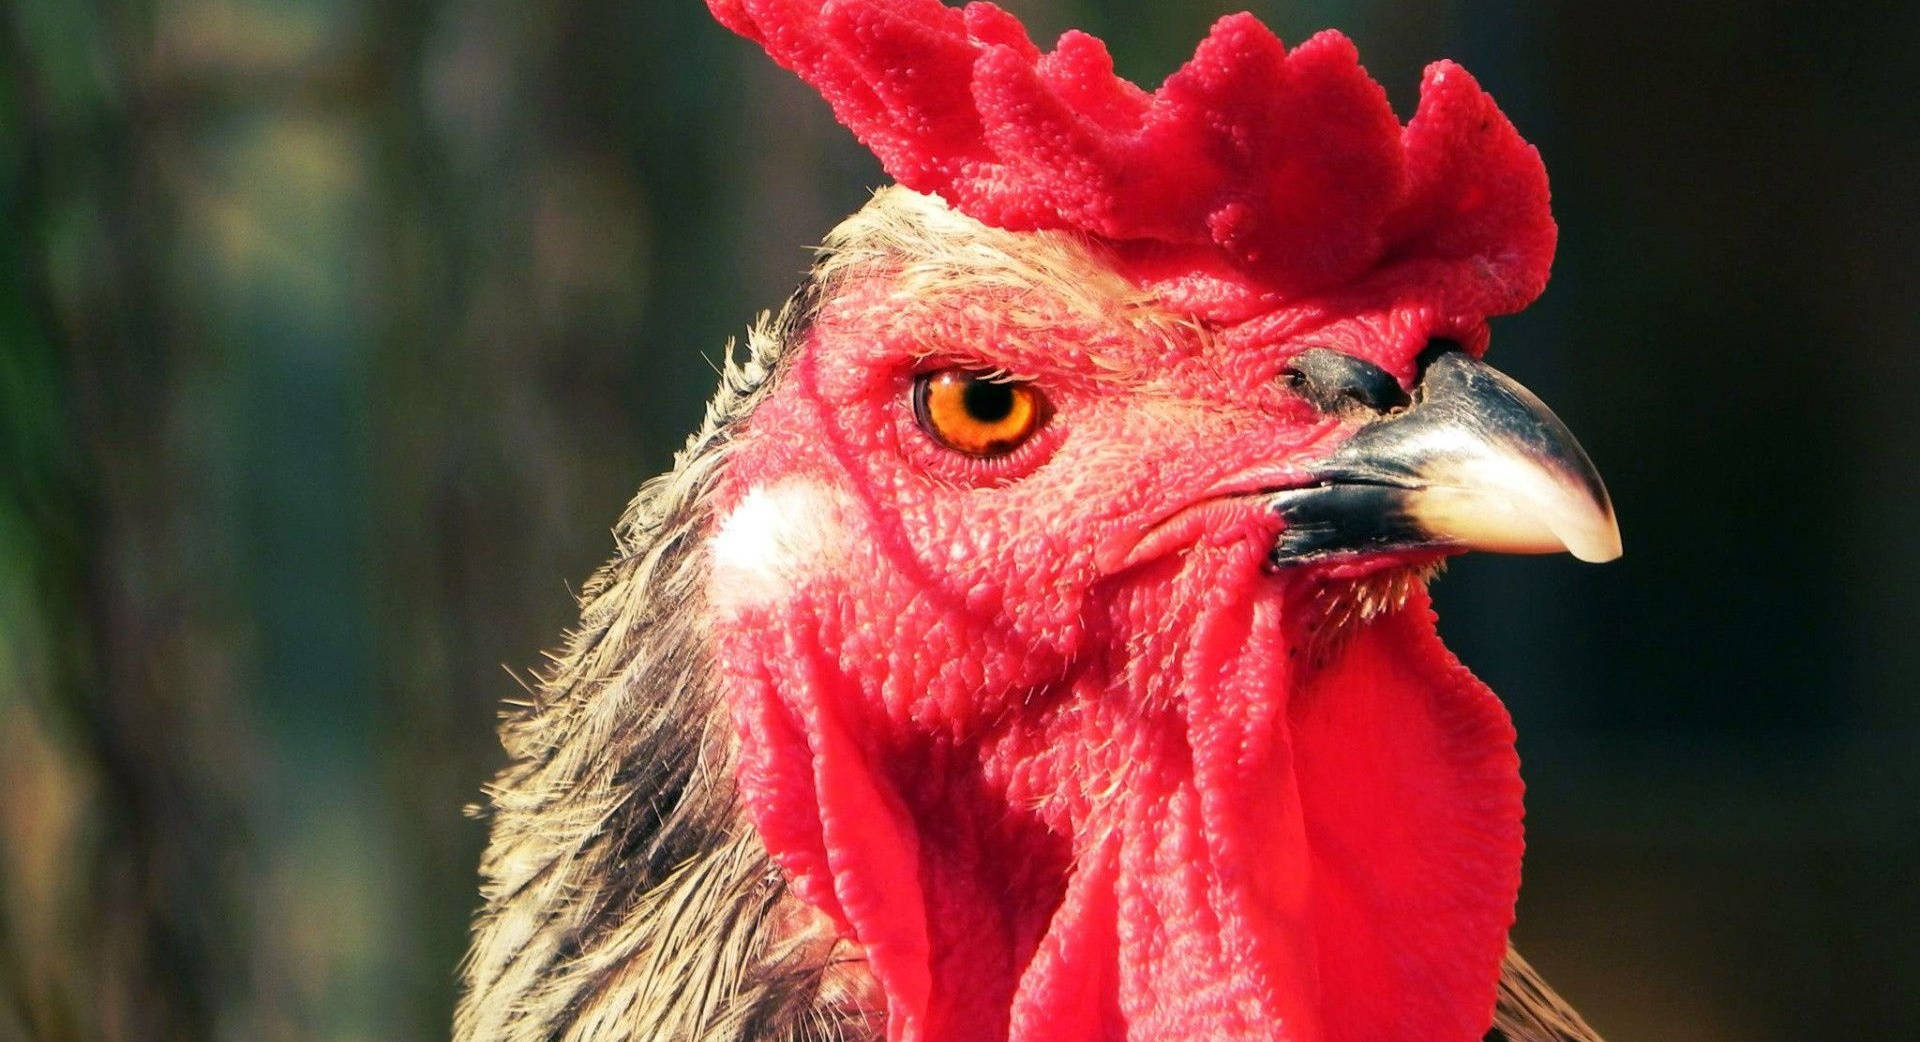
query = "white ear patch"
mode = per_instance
[{"x": 776, "y": 536}]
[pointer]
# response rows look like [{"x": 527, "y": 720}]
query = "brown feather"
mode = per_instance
[{"x": 625, "y": 895}]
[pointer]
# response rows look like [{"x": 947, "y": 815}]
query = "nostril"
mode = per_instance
[
  {"x": 1429, "y": 354},
  {"x": 1333, "y": 382}
]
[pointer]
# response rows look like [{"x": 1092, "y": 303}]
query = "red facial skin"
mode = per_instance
[{"x": 1060, "y": 787}]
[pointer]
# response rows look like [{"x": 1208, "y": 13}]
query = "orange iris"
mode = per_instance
[{"x": 968, "y": 412}]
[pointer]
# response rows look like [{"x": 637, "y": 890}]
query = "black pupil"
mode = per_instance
[{"x": 987, "y": 401}]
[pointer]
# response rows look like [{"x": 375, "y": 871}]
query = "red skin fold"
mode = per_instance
[{"x": 1057, "y": 790}]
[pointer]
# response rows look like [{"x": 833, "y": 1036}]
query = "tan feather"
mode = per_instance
[{"x": 1529, "y": 1011}]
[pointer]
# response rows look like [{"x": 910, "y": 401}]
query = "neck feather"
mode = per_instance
[{"x": 625, "y": 895}]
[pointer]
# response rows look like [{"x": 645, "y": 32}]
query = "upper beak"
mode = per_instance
[{"x": 1476, "y": 462}]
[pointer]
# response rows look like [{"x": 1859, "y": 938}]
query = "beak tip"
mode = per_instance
[
  {"x": 1598, "y": 544},
  {"x": 1478, "y": 463}
]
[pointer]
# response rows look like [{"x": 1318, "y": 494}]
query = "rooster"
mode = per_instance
[{"x": 1033, "y": 643}]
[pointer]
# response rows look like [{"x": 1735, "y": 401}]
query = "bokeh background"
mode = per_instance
[{"x": 335, "y": 333}]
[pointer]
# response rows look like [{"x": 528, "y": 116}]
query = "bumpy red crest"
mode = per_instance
[{"x": 1289, "y": 166}]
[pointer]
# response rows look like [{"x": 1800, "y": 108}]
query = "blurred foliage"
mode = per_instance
[{"x": 333, "y": 336}]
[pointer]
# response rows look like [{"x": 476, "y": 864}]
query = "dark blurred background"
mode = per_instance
[{"x": 334, "y": 335}]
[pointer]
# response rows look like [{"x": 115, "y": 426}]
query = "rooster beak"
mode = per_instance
[{"x": 1474, "y": 462}]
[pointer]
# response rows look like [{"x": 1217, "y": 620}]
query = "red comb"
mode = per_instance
[{"x": 1290, "y": 164}]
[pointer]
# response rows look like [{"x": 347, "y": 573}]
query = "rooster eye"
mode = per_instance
[{"x": 971, "y": 413}]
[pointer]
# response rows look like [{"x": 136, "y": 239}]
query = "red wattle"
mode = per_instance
[
  {"x": 1411, "y": 785},
  {"x": 1307, "y": 853}
]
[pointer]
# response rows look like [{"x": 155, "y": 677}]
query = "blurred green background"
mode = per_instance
[{"x": 335, "y": 334}]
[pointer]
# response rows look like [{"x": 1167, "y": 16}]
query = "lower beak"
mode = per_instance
[{"x": 1475, "y": 463}]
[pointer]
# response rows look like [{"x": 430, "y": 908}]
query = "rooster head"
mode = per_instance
[{"x": 1069, "y": 578}]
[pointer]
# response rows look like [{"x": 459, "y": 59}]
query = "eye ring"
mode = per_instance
[{"x": 977, "y": 414}]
